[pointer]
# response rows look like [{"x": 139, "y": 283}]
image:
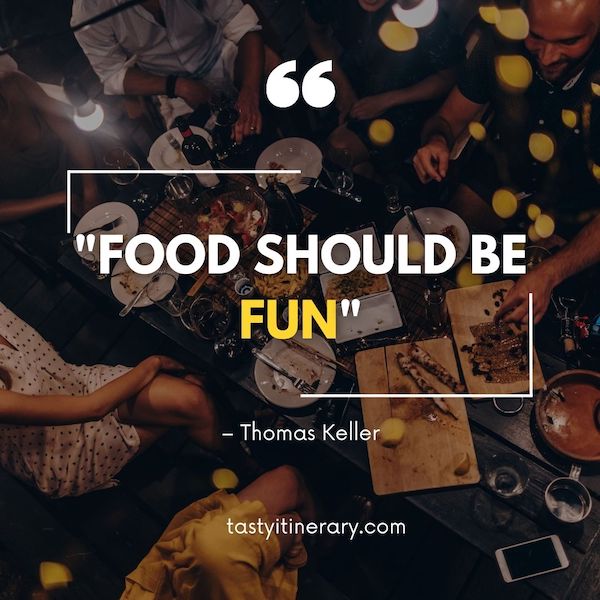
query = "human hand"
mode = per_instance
[
  {"x": 431, "y": 161},
  {"x": 192, "y": 91},
  {"x": 370, "y": 107},
  {"x": 160, "y": 363},
  {"x": 250, "y": 119},
  {"x": 345, "y": 100},
  {"x": 515, "y": 309}
]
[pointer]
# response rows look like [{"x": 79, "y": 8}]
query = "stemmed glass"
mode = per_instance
[
  {"x": 118, "y": 160},
  {"x": 339, "y": 168},
  {"x": 226, "y": 115}
]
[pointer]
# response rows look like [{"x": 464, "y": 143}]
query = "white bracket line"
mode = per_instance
[
  {"x": 472, "y": 396},
  {"x": 171, "y": 172}
]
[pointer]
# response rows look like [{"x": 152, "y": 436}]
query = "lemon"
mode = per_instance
[{"x": 392, "y": 432}]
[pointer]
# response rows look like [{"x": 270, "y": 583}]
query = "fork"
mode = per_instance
[
  {"x": 172, "y": 141},
  {"x": 300, "y": 384},
  {"x": 127, "y": 309},
  {"x": 314, "y": 182}
]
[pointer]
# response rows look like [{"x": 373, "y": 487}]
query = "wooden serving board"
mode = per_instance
[
  {"x": 427, "y": 456},
  {"x": 467, "y": 307}
]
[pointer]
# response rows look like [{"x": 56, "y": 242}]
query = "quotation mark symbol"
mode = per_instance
[
  {"x": 83, "y": 241},
  {"x": 346, "y": 305}
]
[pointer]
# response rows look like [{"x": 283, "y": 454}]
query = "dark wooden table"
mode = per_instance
[{"x": 474, "y": 513}]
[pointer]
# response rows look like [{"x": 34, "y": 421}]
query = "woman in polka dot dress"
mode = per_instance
[{"x": 68, "y": 429}]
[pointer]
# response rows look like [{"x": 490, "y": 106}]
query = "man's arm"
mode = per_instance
[
  {"x": 582, "y": 252},
  {"x": 21, "y": 208},
  {"x": 439, "y": 134}
]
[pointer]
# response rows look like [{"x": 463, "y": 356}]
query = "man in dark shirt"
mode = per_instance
[
  {"x": 561, "y": 106},
  {"x": 399, "y": 74}
]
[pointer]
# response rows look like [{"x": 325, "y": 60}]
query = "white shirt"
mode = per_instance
[{"x": 189, "y": 45}]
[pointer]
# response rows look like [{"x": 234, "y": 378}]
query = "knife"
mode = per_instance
[{"x": 408, "y": 211}]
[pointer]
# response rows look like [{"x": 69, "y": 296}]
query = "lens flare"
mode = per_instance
[
  {"x": 490, "y": 14},
  {"x": 541, "y": 146},
  {"x": 398, "y": 37},
  {"x": 570, "y": 118},
  {"x": 466, "y": 278},
  {"x": 533, "y": 211},
  {"x": 504, "y": 203},
  {"x": 225, "y": 479},
  {"x": 514, "y": 72},
  {"x": 513, "y": 24},
  {"x": 54, "y": 576},
  {"x": 544, "y": 226},
  {"x": 381, "y": 132},
  {"x": 477, "y": 131}
]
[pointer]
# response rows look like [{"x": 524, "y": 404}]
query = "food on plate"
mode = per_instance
[
  {"x": 392, "y": 432},
  {"x": 246, "y": 217},
  {"x": 285, "y": 178},
  {"x": 451, "y": 232},
  {"x": 408, "y": 367},
  {"x": 462, "y": 463},
  {"x": 499, "y": 353},
  {"x": 423, "y": 358},
  {"x": 131, "y": 282},
  {"x": 282, "y": 285},
  {"x": 354, "y": 285}
]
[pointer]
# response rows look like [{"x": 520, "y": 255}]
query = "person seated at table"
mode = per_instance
[
  {"x": 185, "y": 51},
  {"x": 68, "y": 430},
  {"x": 563, "y": 49},
  {"x": 38, "y": 143},
  {"x": 209, "y": 552},
  {"x": 374, "y": 80}
]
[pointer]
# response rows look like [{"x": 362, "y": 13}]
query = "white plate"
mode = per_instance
[
  {"x": 326, "y": 278},
  {"x": 276, "y": 388},
  {"x": 341, "y": 254},
  {"x": 377, "y": 314},
  {"x": 434, "y": 220},
  {"x": 163, "y": 157},
  {"x": 105, "y": 213},
  {"x": 135, "y": 282},
  {"x": 291, "y": 153}
]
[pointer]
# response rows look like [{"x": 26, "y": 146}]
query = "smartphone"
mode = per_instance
[{"x": 532, "y": 558}]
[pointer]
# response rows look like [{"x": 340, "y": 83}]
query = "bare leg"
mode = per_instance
[
  {"x": 344, "y": 139},
  {"x": 477, "y": 213}
]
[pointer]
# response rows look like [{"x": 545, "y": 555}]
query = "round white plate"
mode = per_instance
[
  {"x": 435, "y": 220},
  {"x": 125, "y": 284},
  {"x": 279, "y": 390},
  {"x": 163, "y": 157},
  {"x": 291, "y": 153},
  {"x": 105, "y": 213}
]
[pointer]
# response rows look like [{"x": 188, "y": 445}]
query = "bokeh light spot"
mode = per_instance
[
  {"x": 514, "y": 72},
  {"x": 398, "y": 37},
  {"x": 533, "y": 211},
  {"x": 416, "y": 251},
  {"x": 596, "y": 171},
  {"x": 477, "y": 131},
  {"x": 466, "y": 278},
  {"x": 504, "y": 203},
  {"x": 490, "y": 14},
  {"x": 570, "y": 118},
  {"x": 596, "y": 88},
  {"x": 541, "y": 146},
  {"x": 225, "y": 479},
  {"x": 532, "y": 234},
  {"x": 54, "y": 576},
  {"x": 381, "y": 132},
  {"x": 544, "y": 226},
  {"x": 513, "y": 24}
]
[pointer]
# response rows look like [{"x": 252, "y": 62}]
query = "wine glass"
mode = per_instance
[
  {"x": 119, "y": 159},
  {"x": 339, "y": 169}
]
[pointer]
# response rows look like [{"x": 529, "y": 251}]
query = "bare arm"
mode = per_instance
[
  {"x": 582, "y": 252},
  {"x": 13, "y": 210},
  {"x": 22, "y": 409},
  {"x": 440, "y": 133}
]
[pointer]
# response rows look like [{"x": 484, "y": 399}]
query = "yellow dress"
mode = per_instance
[{"x": 196, "y": 558}]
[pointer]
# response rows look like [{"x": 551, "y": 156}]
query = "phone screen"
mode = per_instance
[{"x": 528, "y": 559}]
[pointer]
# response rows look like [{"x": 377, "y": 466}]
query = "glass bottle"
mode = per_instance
[{"x": 198, "y": 153}]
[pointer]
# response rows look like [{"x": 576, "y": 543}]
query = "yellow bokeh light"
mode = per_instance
[
  {"x": 381, "y": 132},
  {"x": 514, "y": 72},
  {"x": 544, "y": 226},
  {"x": 570, "y": 118},
  {"x": 541, "y": 146},
  {"x": 504, "y": 203},
  {"x": 513, "y": 24},
  {"x": 477, "y": 131},
  {"x": 596, "y": 88},
  {"x": 532, "y": 234},
  {"x": 490, "y": 14},
  {"x": 596, "y": 171},
  {"x": 466, "y": 278},
  {"x": 533, "y": 211},
  {"x": 416, "y": 251},
  {"x": 54, "y": 575},
  {"x": 225, "y": 479},
  {"x": 398, "y": 37}
]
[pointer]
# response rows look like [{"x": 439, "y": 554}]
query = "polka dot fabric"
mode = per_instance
[{"x": 66, "y": 460}]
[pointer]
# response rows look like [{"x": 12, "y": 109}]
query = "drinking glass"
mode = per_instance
[
  {"x": 338, "y": 167},
  {"x": 506, "y": 474},
  {"x": 392, "y": 199},
  {"x": 209, "y": 318},
  {"x": 92, "y": 262},
  {"x": 567, "y": 499},
  {"x": 119, "y": 159},
  {"x": 180, "y": 189},
  {"x": 166, "y": 293}
]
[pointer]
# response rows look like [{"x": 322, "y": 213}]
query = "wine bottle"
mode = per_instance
[
  {"x": 198, "y": 153},
  {"x": 285, "y": 214}
]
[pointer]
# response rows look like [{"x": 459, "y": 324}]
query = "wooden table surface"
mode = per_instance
[{"x": 474, "y": 513}]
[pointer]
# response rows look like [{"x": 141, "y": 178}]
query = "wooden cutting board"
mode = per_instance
[
  {"x": 427, "y": 456},
  {"x": 467, "y": 307}
]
